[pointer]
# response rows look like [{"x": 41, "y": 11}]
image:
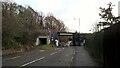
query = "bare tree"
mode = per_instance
[{"x": 107, "y": 16}]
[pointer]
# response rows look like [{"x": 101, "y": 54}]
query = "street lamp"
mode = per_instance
[{"x": 79, "y": 23}]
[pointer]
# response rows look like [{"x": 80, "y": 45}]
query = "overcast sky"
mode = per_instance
[{"x": 67, "y": 10}]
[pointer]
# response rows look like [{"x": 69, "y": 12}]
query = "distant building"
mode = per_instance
[{"x": 119, "y": 8}]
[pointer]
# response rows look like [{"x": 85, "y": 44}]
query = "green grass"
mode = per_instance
[{"x": 47, "y": 47}]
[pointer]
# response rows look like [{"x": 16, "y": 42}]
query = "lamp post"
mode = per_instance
[
  {"x": 79, "y": 23},
  {"x": 77, "y": 39}
]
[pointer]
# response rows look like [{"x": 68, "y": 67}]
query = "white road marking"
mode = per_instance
[
  {"x": 13, "y": 57},
  {"x": 73, "y": 56},
  {"x": 62, "y": 48},
  {"x": 66, "y": 55},
  {"x": 42, "y": 50},
  {"x": 53, "y": 53},
  {"x": 71, "y": 59},
  {"x": 32, "y": 61},
  {"x": 59, "y": 50}
]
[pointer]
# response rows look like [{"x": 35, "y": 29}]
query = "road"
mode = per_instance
[{"x": 61, "y": 56}]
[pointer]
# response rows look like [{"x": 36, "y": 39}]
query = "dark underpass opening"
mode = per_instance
[
  {"x": 43, "y": 40},
  {"x": 74, "y": 37}
]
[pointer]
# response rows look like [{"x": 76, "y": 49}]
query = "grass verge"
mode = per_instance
[{"x": 48, "y": 46}]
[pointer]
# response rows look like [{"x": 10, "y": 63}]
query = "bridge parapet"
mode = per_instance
[{"x": 65, "y": 33}]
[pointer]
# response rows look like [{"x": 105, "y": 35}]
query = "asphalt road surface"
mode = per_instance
[{"x": 61, "y": 56}]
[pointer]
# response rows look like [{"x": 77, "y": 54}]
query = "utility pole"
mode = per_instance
[{"x": 79, "y": 25}]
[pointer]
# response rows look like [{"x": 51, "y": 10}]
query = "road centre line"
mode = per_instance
[
  {"x": 59, "y": 50},
  {"x": 72, "y": 59},
  {"x": 39, "y": 59},
  {"x": 42, "y": 50},
  {"x": 53, "y": 53},
  {"x": 32, "y": 62},
  {"x": 13, "y": 57}
]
